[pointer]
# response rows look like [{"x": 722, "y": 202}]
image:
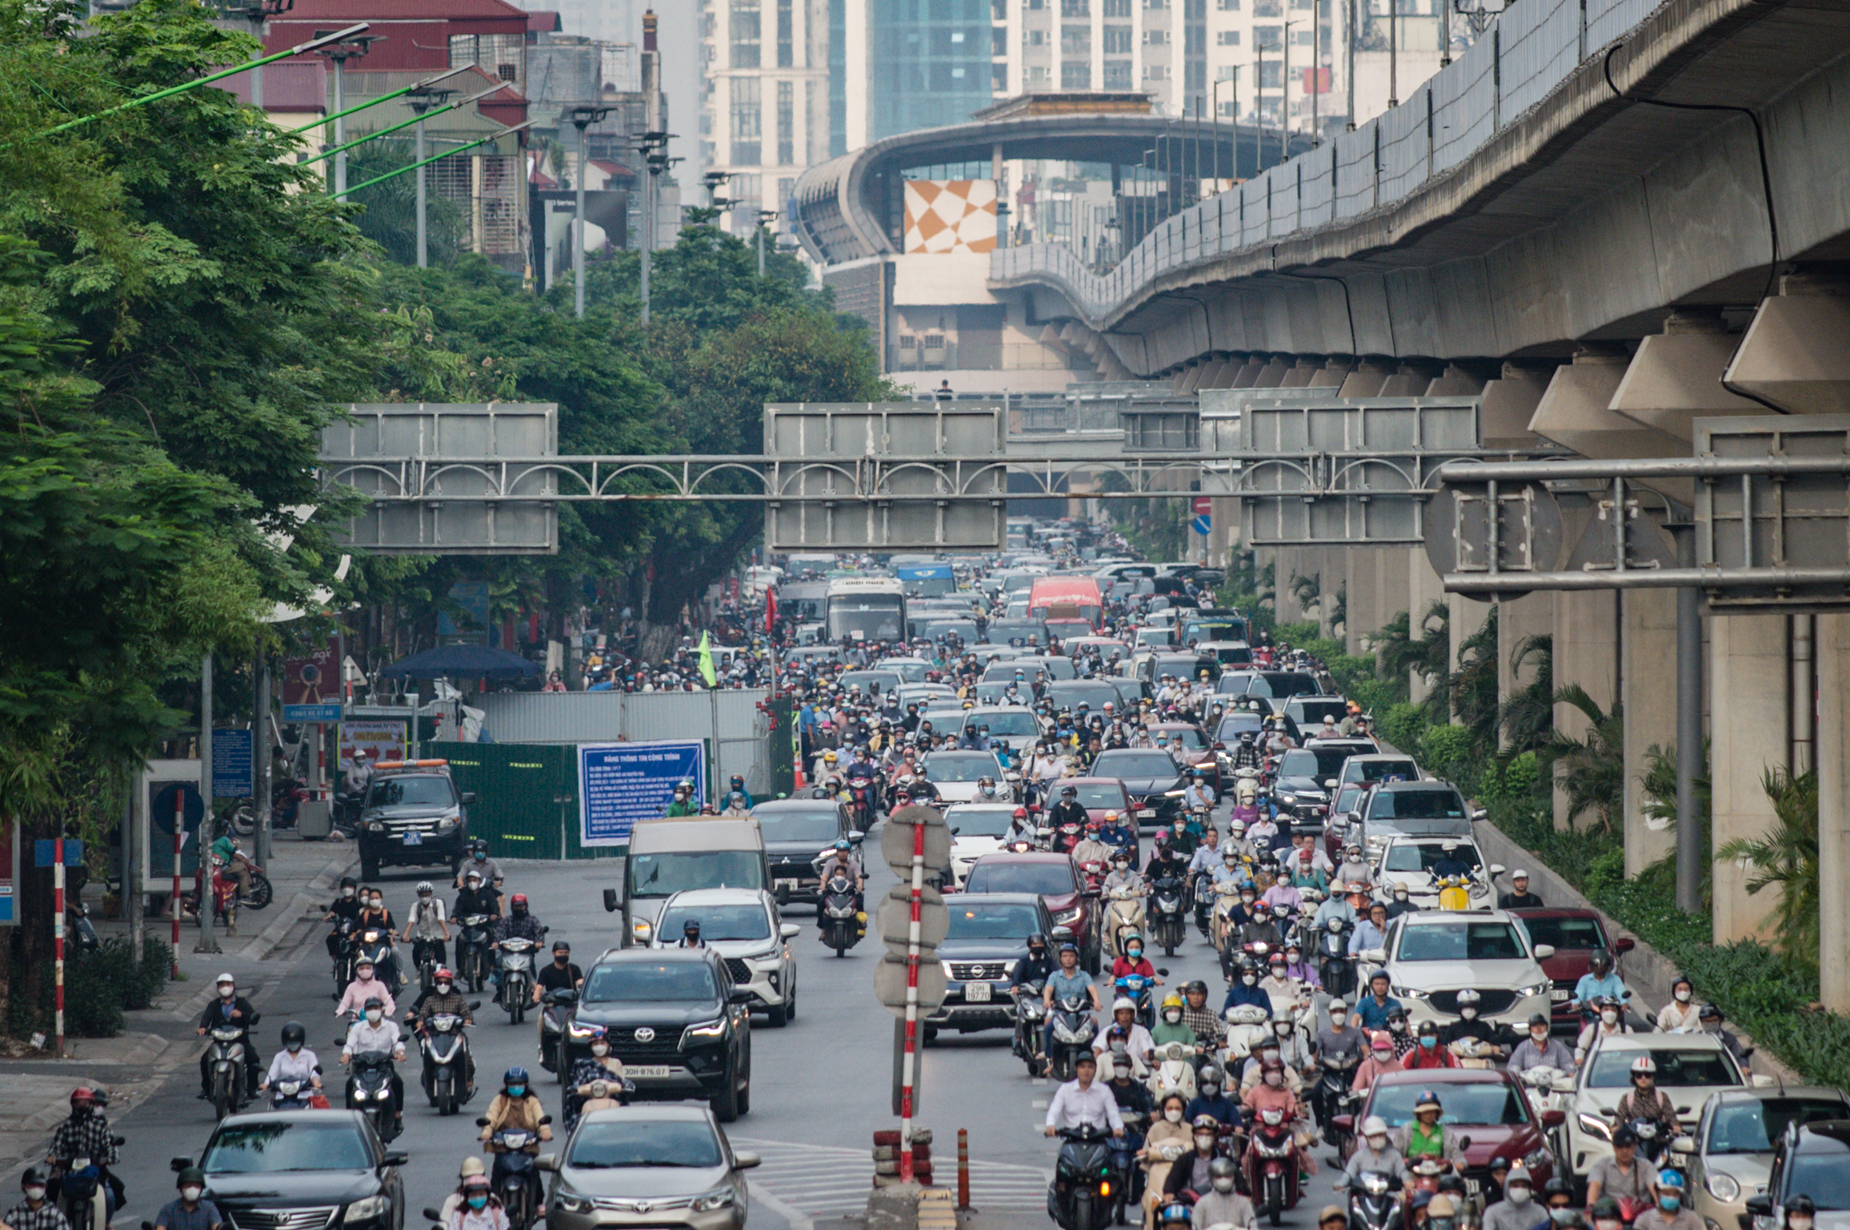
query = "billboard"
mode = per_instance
[
  {"x": 383, "y": 739},
  {"x": 950, "y": 215},
  {"x": 311, "y": 685},
  {"x": 621, "y": 783}
]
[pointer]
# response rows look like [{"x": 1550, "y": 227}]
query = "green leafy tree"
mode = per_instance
[
  {"x": 1473, "y": 686},
  {"x": 390, "y": 217},
  {"x": 1785, "y": 857},
  {"x": 1591, "y": 770},
  {"x": 1527, "y": 718}
]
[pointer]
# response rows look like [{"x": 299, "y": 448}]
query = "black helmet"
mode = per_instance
[
  {"x": 1037, "y": 940},
  {"x": 1539, "y": 1018},
  {"x": 1802, "y": 1204},
  {"x": 35, "y": 1176},
  {"x": 1601, "y": 961},
  {"x": 1709, "y": 1012},
  {"x": 1557, "y": 1186},
  {"x": 1194, "y": 986},
  {"x": 191, "y": 1176},
  {"x": 373, "y": 1002},
  {"x": 294, "y": 1032}
]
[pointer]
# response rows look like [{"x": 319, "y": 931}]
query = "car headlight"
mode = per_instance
[
  {"x": 574, "y": 1029},
  {"x": 1411, "y": 993},
  {"x": 1538, "y": 1158},
  {"x": 1287, "y": 798},
  {"x": 643, "y": 930},
  {"x": 448, "y": 822},
  {"x": 375, "y": 827},
  {"x": 718, "y": 1198},
  {"x": 1595, "y": 1126},
  {"x": 949, "y": 976},
  {"x": 1540, "y": 988},
  {"x": 1723, "y": 1187},
  {"x": 571, "y": 1203},
  {"x": 709, "y": 1029},
  {"x": 1068, "y": 916},
  {"x": 363, "y": 1210}
]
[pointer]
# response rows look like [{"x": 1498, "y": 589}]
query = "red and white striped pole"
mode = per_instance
[
  {"x": 57, "y": 942},
  {"x": 909, "y": 1065},
  {"x": 173, "y": 903}
]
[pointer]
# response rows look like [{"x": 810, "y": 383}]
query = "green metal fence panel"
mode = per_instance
[
  {"x": 523, "y": 793},
  {"x": 782, "y": 751}
]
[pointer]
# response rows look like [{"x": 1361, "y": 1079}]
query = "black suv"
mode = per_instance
[
  {"x": 1808, "y": 1161},
  {"x": 413, "y": 816},
  {"x": 675, "y": 1019}
]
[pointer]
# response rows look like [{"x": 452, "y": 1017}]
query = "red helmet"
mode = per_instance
[
  {"x": 517, "y": 899},
  {"x": 443, "y": 974},
  {"x": 83, "y": 1095}
]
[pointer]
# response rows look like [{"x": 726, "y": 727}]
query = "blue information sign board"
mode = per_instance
[
  {"x": 231, "y": 764},
  {"x": 621, "y": 783}
]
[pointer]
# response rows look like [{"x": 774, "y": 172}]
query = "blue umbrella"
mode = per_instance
[{"x": 462, "y": 662}]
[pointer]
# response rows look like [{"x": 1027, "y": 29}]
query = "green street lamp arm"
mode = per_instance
[
  {"x": 493, "y": 136},
  {"x": 374, "y": 136},
  {"x": 373, "y": 102}
]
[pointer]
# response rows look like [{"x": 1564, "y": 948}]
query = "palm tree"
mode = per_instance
[
  {"x": 1528, "y": 717},
  {"x": 1400, "y": 654},
  {"x": 1473, "y": 689},
  {"x": 1307, "y": 590},
  {"x": 1786, "y": 856},
  {"x": 1593, "y": 775}
]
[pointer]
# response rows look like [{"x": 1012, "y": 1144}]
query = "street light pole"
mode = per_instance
[
  {"x": 765, "y": 218},
  {"x": 1284, "y": 97},
  {"x": 582, "y": 118},
  {"x": 1349, "y": 62},
  {"x": 1393, "y": 55},
  {"x": 340, "y": 53},
  {"x": 422, "y": 99}
]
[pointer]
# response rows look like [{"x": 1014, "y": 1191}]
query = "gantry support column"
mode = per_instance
[
  {"x": 1748, "y": 674},
  {"x": 1833, "y": 752}
]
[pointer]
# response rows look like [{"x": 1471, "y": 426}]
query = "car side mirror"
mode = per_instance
[
  {"x": 1553, "y": 1118},
  {"x": 740, "y": 995},
  {"x": 1496, "y": 869},
  {"x": 955, "y": 830},
  {"x": 1464, "y": 1142},
  {"x": 790, "y": 931},
  {"x": 1544, "y": 951},
  {"x": 1479, "y": 813},
  {"x": 745, "y": 1161},
  {"x": 1374, "y": 956},
  {"x": 612, "y": 902},
  {"x": 1624, "y": 943},
  {"x": 547, "y": 1161},
  {"x": 468, "y": 798},
  {"x": 1683, "y": 1144},
  {"x": 396, "y": 1158},
  {"x": 857, "y": 836},
  {"x": 1329, "y": 783},
  {"x": 1758, "y": 1206},
  {"x": 179, "y": 1163},
  {"x": 1062, "y": 933}
]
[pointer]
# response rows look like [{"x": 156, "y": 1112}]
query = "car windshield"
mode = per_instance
[
  {"x": 1411, "y": 856},
  {"x": 1071, "y": 693},
  {"x": 1156, "y": 636},
  {"x": 1312, "y": 712},
  {"x": 1134, "y": 764},
  {"x": 1416, "y": 805},
  {"x": 1191, "y": 738},
  {"x": 972, "y": 920},
  {"x": 870, "y": 681},
  {"x": 1565, "y": 934},
  {"x": 980, "y": 821},
  {"x": 1491, "y": 1102},
  {"x": 419, "y": 790},
  {"x": 1347, "y": 799},
  {"x": 1448, "y": 941},
  {"x": 817, "y": 824},
  {"x": 1011, "y": 725},
  {"x": 718, "y": 922},
  {"x": 1316, "y": 763},
  {"x": 1017, "y": 631},
  {"x": 910, "y": 670},
  {"x": 942, "y": 768},
  {"x": 607, "y": 1145},
  {"x": 1752, "y": 1125},
  {"x": 1049, "y": 879},
  {"x": 661, "y": 875},
  {"x": 1378, "y": 770},
  {"x": 292, "y": 1144},
  {"x": 1234, "y": 723},
  {"x": 1823, "y": 1177},
  {"x": 650, "y": 982},
  {"x": 1094, "y": 795},
  {"x": 1676, "y": 1069}
]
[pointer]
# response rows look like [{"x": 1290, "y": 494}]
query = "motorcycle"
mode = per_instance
[
  {"x": 516, "y": 977},
  {"x": 346, "y": 952},
  {"x": 1473, "y": 1053},
  {"x": 861, "y": 805},
  {"x": 515, "y": 1178},
  {"x": 555, "y": 1011},
  {"x": 1175, "y": 1073},
  {"x": 1123, "y": 916},
  {"x": 1137, "y": 989},
  {"x": 225, "y": 1068},
  {"x": 424, "y": 956},
  {"x": 1166, "y": 913},
  {"x": 1066, "y": 837},
  {"x": 1373, "y": 1204},
  {"x": 447, "y": 1080},
  {"x": 291, "y": 1095},
  {"x": 1272, "y": 1165},
  {"x": 1222, "y": 928},
  {"x": 375, "y": 943},
  {"x": 1083, "y": 1194},
  {"x": 843, "y": 922},
  {"x": 1073, "y": 1031},
  {"x": 83, "y": 1193},
  {"x": 369, "y": 1091},
  {"x": 1030, "y": 1016},
  {"x": 79, "y": 932},
  {"x": 1246, "y": 1028},
  {"x": 1127, "y": 1175},
  {"x": 472, "y": 948},
  {"x": 1336, "y": 968},
  {"x": 1327, "y": 1096},
  {"x": 286, "y": 798}
]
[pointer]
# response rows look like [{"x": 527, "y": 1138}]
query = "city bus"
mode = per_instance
[
  {"x": 866, "y": 609},
  {"x": 1066, "y": 597}
]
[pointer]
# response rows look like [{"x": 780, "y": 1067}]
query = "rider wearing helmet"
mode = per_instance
[
  {"x": 561, "y": 975},
  {"x": 1669, "y": 1210},
  {"x": 1068, "y": 809},
  {"x": 1092, "y": 848},
  {"x": 517, "y": 1108},
  {"x": 737, "y": 804},
  {"x": 1471, "y": 1024},
  {"x": 1035, "y": 966},
  {"x": 478, "y": 860},
  {"x": 427, "y": 929},
  {"x": 1375, "y": 1153},
  {"x": 684, "y": 804},
  {"x": 227, "y": 1010},
  {"x": 1609, "y": 1020},
  {"x": 1600, "y": 979},
  {"x": 85, "y": 1134},
  {"x": 377, "y": 1032},
  {"x": 1191, "y": 1174},
  {"x": 1425, "y": 1136},
  {"x": 37, "y": 1211},
  {"x": 295, "y": 1062},
  {"x": 737, "y": 787},
  {"x": 1646, "y": 1101},
  {"x": 1801, "y": 1213},
  {"x": 600, "y": 1065}
]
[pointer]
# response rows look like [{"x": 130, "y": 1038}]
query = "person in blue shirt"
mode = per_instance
[
  {"x": 1370, "y": 932},
  {"x": 1372, "y": 1010},
  {"x": 1114, "y": 832},
  {"x": 1212, "y": 1100},
  {"x": 1064, "y": 983},
  {"x": 1246, "y": 990},
  {"x": 738, "y": 787},
  {"x": 1601, "y": 980}
]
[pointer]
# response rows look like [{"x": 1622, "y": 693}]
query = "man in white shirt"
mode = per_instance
[
  {"x": 373, "y": 1032},
  {"x": 1082, "y": 1101}
]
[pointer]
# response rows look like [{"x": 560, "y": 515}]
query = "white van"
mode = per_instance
[{"x": 672, "y": 855}]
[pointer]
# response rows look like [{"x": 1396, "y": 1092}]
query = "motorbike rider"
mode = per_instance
[
  {"x": 377, "y": 1031},
  {"x": 1402, "y": 903},
  {"x": 1170, "y": 1026},
  {"x": 1116, "y": 833},
  {"x": 36, "y": 1211},
  {"x": 1801, "y": 1213},
  {"x": 1646, "y": 1101},
  {"x": 1198, "y": 795},
  {"x": 737, "y": 787},
  {"x": 363, "y": 988},
  {"x": 1066, "y": 982},
  {"x": 1131, "y": 1095},
  {"x": 1263, "y": 928},
  {"x": 1381, "y": 1058},
  {"x": 1601, "y": 979},
  {"x": 86, "y": 1133},
  {"x": 1274, "y": 1093},
  {"x": 1213, "y": 1100},
  {"x": 1126, "y": 1031},
  {"x": 1428, "y": 1052},
  {"x": 1518, "y": 1209},
  {"x": 1353, "y": 868},
  {"x": 443, "y": 999},
  {"x": 374, "y": 916},
  {"x": 1541, "y": 1050},
  {"x": 1336, "y": 905},
  {"x": 561, "y": 975},
  {"x": 520, "y": 924},
  {"x": 683, "y": 803},
  {"x": 1081, "y": 1102},
  {"x": 1123, "y": 876},
  {"x": 1519, "y": 897},
  {"x": 428, "y": 927},
  {"x": 1167, "y": 862},
  {"x": 1298, "y": 969},
  {"x": 600, "y": 1065},
  {"x": 1247, "y": 755},
  {"x": 1246, "y": 990},
  {"x": 1182, "y": 840},
  {"x": 1067, "y": 810},
  {"x": 1490, "y": 1036},
  {"x": 191, "y": 1211},
  {"x": 1451, "y": 864},
  {"x": 518, "y": 1108},
  {"x": 477, "y": 896},
  {"x": 1287, "y": 992},
  {"x": 294, "y": 1062},
  {"x": 1609, "y": 1022},
  {"x": 1711, "y": 1018},
  {"x": 346, "y": 906},
  {"x": 228, "y": 1008},
  {"x": 477, "y": 1207},
  {"x": 1621, "y": 1176},
  {"x": 1037, "y": 966},
  {"x": 1680, "y": 1015},
  {"x": 1190, "y": 1176},
  {"x": 1207, "y": 1024},
  {"x": 1425, "y": 1136},
  {"x": 478, "y": 860},
  {"x": 1091, "y": 848},
  {"x": 237, "y": 863},
  {"x": 736, "y": 805},
  {"x": 1133, "y": 963},
  {"x": 1374, "y": 1153}
]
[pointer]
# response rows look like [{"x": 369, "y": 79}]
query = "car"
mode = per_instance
[
  {"x": 795, "y": 831},
  {"x": 981, "y": 828},
  {"x": 1057, "y": 666},
  {"x": 675, "y": 1019},
  {"x": 299, "y": 1168},
  {"x": 1409, "y": 809},
  {"x": 1154, "y": 781},
  {"x": 1200, "y": 754},
  {"x": 647, "y": 1166},
  {"x": 1272, "y": 687},
  {"x": 1309, "y": 711},
  {"x": 1432, "y": 955},
  {"x": 988, "y": 933},
  {"x": 1099, "y": 795},
  {"x": 1690, "y": 1067},
  {"x": 1383, "y": 766},
  {"x": 1055, "y": 878},
  {"x": 1153, "y": 636},
  {"x": 1016, "y": 725},
  {"x": 413, "y": 815},
  {"x": 955, "y": 775},
  {"x": 743, "y": 926},
  {"x": 1190, "y": 665},
  {"x": 1016, "y": 632},
  {"x": 1811, "y": 1160},
  {"x": 1227, "y": 653},
  {"x": 1488, "y": 1105},
  {"x": 1410, "y": 861},
  {"x": 1575, "y": 934},
  {"x": 1091, "y": 695},
  {"x": 1730, "y": 1154},
  {"x": 1303, "y": 772}
]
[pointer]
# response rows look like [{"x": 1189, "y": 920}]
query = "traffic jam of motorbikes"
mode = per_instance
[{"x": 1248, "y": 961}]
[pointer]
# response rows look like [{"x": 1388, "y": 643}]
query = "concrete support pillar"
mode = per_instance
[
  {"x": 1833, "y": 749},
  {"x": 1747, "y": 677},
  {"x": 1411, "y": 380},
  {"x": 1509, "y": 405},
  {"x": 1576, "y": 412},
  {"x": 1332, "y": 374},
  {"x": 1189, "y": 378},
  {"x": 1360, "y": 602},
  {"x": 1455, "y": 381},
  {"x": 1286, "y": 561},
  {"x": 1648, "y": 686},
  {"x": 1249, "y": 372},
  {"x": 1675, "y": 378},
  {"x": 1586, "y": 652},
  {"x": 1423, "y": 590},
  {"x": 1272, "y": 375},
  {"x": 1464, "y": 618}
]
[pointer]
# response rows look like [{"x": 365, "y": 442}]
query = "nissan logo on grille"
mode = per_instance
[{"x": 645, "y": 1034}]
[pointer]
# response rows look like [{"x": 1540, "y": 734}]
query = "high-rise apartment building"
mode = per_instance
[{"x": 765, "y": 100}]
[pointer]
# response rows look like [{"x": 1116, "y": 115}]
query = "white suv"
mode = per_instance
[
  {"x": 742, "y": 925},
  {"x": 1689, "y": 1068},
  {"x": 1432, "y": 955}
]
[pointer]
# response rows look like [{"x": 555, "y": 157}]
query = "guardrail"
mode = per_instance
[{"x": 1532, "y": 49}]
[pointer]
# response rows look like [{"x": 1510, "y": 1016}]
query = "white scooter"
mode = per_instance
[
  {"x": 1124, "y": 915},
  {"x": 1246, "y": 1028},
  {"x": 1175, "y": 1073}
]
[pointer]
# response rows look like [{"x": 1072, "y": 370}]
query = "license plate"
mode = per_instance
[
  {"x": 1144, "y": 813},
  {"x": 787, "y": 885},
  {"x": 645, "y": 1071},
  {"x": 414, "y": 839},
  {"x": 1560, "y": 995},
  {"x": 976, "y": 993}
]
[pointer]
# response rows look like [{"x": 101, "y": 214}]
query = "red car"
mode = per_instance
[
  {"x": 1099, "y": 795},
  {"x": 1575, "y": 935},
  {"x": 1200, "y": 751},
  {"x": 1486, "y": 1105},
  {"x": 1058, "y": 881}
]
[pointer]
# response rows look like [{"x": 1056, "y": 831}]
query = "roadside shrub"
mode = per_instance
[{"x": 100, "y": 986}]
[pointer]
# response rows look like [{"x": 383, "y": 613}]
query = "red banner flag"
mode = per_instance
[{"x": 770, "y": 610}]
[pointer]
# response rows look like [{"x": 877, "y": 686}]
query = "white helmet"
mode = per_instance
[
  {"x": 224, "y": 978},
  {"x": 1123, "y": 1003},
  {"x": 1374, "y": 1125}
]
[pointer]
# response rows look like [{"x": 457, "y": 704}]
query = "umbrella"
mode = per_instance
[{"x": 461, "y": 662}]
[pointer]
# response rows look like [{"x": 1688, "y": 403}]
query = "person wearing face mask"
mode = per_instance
[
  {"x": 1132, "y": 1096},
  {"x": 295, "y": 1062},
  {"x": 191, "y": 1211},
  {"x": 479, "y": 1209},
  {"x": 1518, "y": 1209},
  {"x": 1426, "y": 1136},
  {"x": 1428, "y": 1051},
  {"x": 1287, "y": 993},
  {"x": 1404, "y": 1038},
  {"x": 1558, "y": 1202},
  {"x": 444, "y": 999},
  {"x": 1610, "y": 1021},
  {"x": 347, "y": 907},
  {"x": 1272, "y": 1090},
  {"x": 1213, "y": 1100},
  {"x": 1246, "y": 990},
  {"x": 428, "y": 928},
  {"x": 1801, "y": 1213},
  {"x": 1541, "y": 1050},
  {"x": 86, "y": 1133},
  {"x": 376, "y": 1031},
  {"x": 1170, "y": 1127},
  {"x": 1646, "y": 1100},
  {"x": 1210, "y": 1031},
  {"x": 364, "y": 987},
  {"x": 1441, "y": 1213},
  {"x": 1605, "y": 1214},
  {"x": 1123, "y": 875},
  {"x": 1668, "y": 1211},
  {"x": 1263, "y": 929},
  {"x": 1222, "y": 1206},
  {"x": 1268, "y": 1053},
  {"x": 1621, "y": 1176},
  {"x": 1354, "y": 869},
  {"x": 561, "y": 975},
  {"x": 1182, "y": 839},
  {"x": 1090, "y": 848},
  {"x": 36, "y": 1211},
  {"x": 516, "y": 1107},
  {"x": 374, "y": 915},
  {"x": 1681, "y": 1015},
  {"x": 600, "y": 1065},
  {"x": 1126, "y": 1029},
  {"x": 1493, "y": 1040},
  {"x": 228, "y": 1008},
  {"x": 1711, "y": 1018},
  {"x": 1402, "y": 903},
  {"x": 1600, "y": 981},
  {"x": 1336, "y": 905},
  {"x": 1170, "y": 1027},
  {"x": 1374, "y": 1153},
  {"x": 1189, "y": 1178},
  {"x": 1381, "y": 1058}
]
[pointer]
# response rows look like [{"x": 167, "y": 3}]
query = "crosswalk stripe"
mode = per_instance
[{"x": 823, "y": 1180}]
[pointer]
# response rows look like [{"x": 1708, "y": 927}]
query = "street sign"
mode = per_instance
[
  {"x": 890, "y": 985},
  {"x": 231, "y": 763},
  {"x": 1201, "y": 525},
  {"x": 45, "y": 852},
  {"x": 894, "y": 920},
  {"x": 311, "y": 685},
  {"x": 1204, "y": 506},
  {"x": 896, "y": 841}
]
